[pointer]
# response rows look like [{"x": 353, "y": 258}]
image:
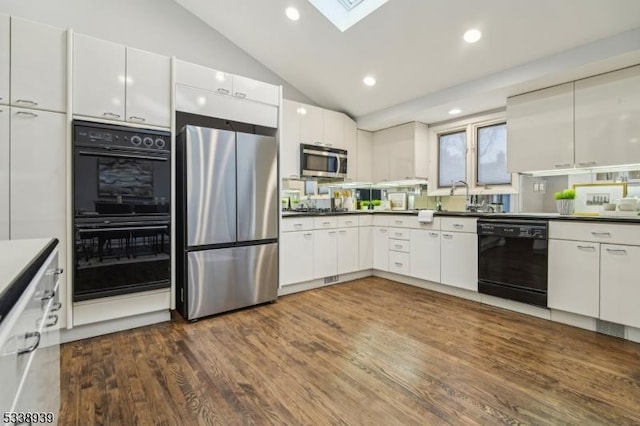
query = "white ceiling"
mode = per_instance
[{"x": 415, "y": 50}]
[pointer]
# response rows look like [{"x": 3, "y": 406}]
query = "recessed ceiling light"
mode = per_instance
[
  {"x": 472, "y": 35},
  {"x": 369, "y": 81},
  {"x": 455, "y": 111},
  {"x": 292, "y": 13}
]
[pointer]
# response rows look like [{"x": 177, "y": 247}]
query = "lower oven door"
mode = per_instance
[
  {"x": 117, "y": 260},
  {"x": 513, "y": 268}
]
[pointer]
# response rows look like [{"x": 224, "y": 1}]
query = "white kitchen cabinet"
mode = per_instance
[
  {"x": 296, "y": 257},
  {"x": 574, "y": 289},
  {"x": 607, "y": 129},
  {"x": 4, "y": 172},
  {"x": 290, "y": 140},
  {"x": 348, "y": 250},
  {"x": 324, "y": 249},
  {"x": 364, "y": 159},
  {"x": 350, "y": 143},
  {"x": 381, "y": 248},
  {"x": 38, "y": 183},
  {"x": 459, "y": 259},
  {"x": 425, "y": 255},
  {"x": 38, "y": 66},
  {"x": 197, "y": 76},
  {"x": 311, "y": 124},
  {"x": 332, "y": 129},
  {"x": 619, "y": 284},
  {"x": 254, "y": 90},
  {"x": 5, "y": 57},
  {"x": 148, "y": 84},
  {"x": 99, "y": 68},
  {"x": 380, "y": 161},
  {"x": 399, "y": 262},
  {"x": 400, "y": 152},
  {"x": 365, "y": 249},
  {"x": 540, "y": 130}
]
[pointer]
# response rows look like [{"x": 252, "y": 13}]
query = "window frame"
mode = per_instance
[
  {"x": 447, "y": 132},
  {"x": 476, "y": 128}
]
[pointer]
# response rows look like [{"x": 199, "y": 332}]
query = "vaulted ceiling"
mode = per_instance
[{"x": 415, "y": 50}]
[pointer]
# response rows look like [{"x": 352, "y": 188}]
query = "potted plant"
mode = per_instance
[
  {"x": 376, "y": 204},
  {"x": 364, "y": 205},
  {"x": 565, "y": 201}
]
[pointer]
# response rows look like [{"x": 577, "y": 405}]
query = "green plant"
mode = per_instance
[
  {"x": 365, "y": 203},
  {"x": 567, "y": 194},
  {"x": 376, "y": 203}
]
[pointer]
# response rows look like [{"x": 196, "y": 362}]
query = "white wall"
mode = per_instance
[{"x": 160, "y": 26}]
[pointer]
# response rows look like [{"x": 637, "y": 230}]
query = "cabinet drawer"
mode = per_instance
[
  {"x": 365, "y": 220},
  {"x": 435, "y": 225},
  {"x": 406, "y": 221},
  {"x": 381, "y": 220},
  {"x": 297, "y": 224},
  {"x": 325, "y": 222},
  {"x": 596, "y": 232},
  {"x": 347, "y": 221},
  {"x": 399, "y": 245},
  {"x": 399, "y": 262},
  {"x": 399, "y": 233},
  {"x": 458, "y": 224}
]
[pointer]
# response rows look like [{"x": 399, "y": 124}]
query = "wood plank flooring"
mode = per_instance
[{"x": 369, "y": 352}]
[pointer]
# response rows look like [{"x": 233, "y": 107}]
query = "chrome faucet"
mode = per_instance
[{"x": 466, "y": 191}]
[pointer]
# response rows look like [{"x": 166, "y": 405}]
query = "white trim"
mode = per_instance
[
  {"x": 310, "y": 285},
  {"x": 107, "y": 327}
]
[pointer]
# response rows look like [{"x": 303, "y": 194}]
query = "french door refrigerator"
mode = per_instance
[{"x": 227, "y": 221}]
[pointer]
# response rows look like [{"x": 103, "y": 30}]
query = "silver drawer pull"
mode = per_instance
[
  {"x": 458, "y": 226},
  {"x": 240, "y": 95},
  {"x": 383, "y": 230},
  {"x": 348, "y": 222},
  {"x": 588, "y": 163},
  {"x": 343, "y": 232},
  {"x": 398, "y": 263},
  {"x": 297, "y": 225},
  {"x": 326, "y": 223},
  {"x": 586, "y": 247},
  {"x": 449, "y": 236},
  {"x": 601, "y": 234},
  {"x": 111, "y": 114},
  {"x": 433, "y": 234},
  {"x": 399, "y": 222},
  {"x": 223, "y": 91},
  {"x": 53, "y": 320},
  {"x": 399, "y": 246},
  {"x": 35, "y": 344},
  {"x": 26, "y": 101},
  {"x": 558, "y": 166},
  {"x": 48, "y": 294},
  {"x": 27, "y": 113},
  {"x": 133, "y": 117},
  {"x": 398, "y": 234},
  {"x": 58, "y": 271},
  {"x": 617, "y": 251},
  {"x": 56, "y": 307},
  {"x": 307, "y": 234}
]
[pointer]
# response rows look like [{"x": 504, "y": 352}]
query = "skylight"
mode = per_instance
[{"x": 346, "y": 13}]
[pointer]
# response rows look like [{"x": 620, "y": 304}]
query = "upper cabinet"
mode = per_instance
[
  {"x": 400, "y": 152},
  {"x": 540, "y": 129},
  {"x": 5, "y": 55},
  {"x": 364, "y": 161},
  {"x": 332, "y": 128},
  {"x": 115, "y": 82},
  {"x": 607, "y": 119},
  {"x": 98, "y": 78},
  {"x": 254, "y": 90},
  {"x": 350, "y": 143},
  {"x": 148, "y": 82},
  {"x": 38, "y": 66},
  {"x": 311, "y": 124}
]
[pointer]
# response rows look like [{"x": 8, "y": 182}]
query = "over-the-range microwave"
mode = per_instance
[{"x": 322, "y": 161}]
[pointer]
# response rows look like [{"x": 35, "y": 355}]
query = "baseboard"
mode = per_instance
[
  {"x": 310, "y": 285},
  {"x": 113, "y": 326},
  {"x": 632, "y": 333},
  {"x": 574, "y": 320},
  {"x": 429, "y": 285}
]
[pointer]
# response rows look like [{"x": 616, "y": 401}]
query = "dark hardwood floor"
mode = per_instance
[{"x": 368, "y": 352}]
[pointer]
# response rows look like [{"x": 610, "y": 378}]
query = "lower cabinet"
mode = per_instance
[
  {"x": 365, "y": 252},
  {"x": 459, "y": 259},
  {"x": 380, "y": 248},
  {"x": 348, "y": 250},
  {"x": 399, "y": 262},
  {"x": 325, "y": 261},
  {"x": 425, "y": 255},
  {"x": 574, "y": 289},
  {"x": 296, "y": 257},
  {"x": 619, "y": 284}
]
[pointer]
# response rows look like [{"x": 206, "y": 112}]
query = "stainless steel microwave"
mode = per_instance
[{"x": 322, "y": 161}]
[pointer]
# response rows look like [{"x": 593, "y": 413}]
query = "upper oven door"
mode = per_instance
[
  {"x": 117, "y": 181},
  {"x": 322, "y": 162}
]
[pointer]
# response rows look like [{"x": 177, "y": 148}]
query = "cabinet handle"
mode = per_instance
[
  {"x": 326, "y": 223},
  {"x": 433, "y": 234},
  {"x": 133, "y": 117},
  {"x": 28, "y": 114},
  {"x": 332, "y": 233},
  {"x": 56, "y": 307},
  {"x": 383, "y": 230},
  {"x": 35, "y": 344},
  {"x": 601, "y": 234},
  {"x": 111, "y": 114},
  {"x": 399, "y": 222},
  {"x": 297, "y": 225},
  {"x": 223, "y": 91},
  {"x": 458, "y": 226},
  {"x": 343, "y": 232},
  {"x": 449, "y": 236},
  {"x": 561, "y": 166},
  {"x": 587, "y": 248},
  {"x": 588, "y": 163},
  {"x": 398, "y": 264},
  {"x": 26, "y": 101},
  {"x": 328, "y": 144},
  {"x": 58, "y": 271},
  {"x": 48, "y": 294},
  {"x": 348, "y": 222},
  {"x": 398, "y": 234},
  {"x": 240, "y": 95},
  {"x": 307, "y": 234},
  {"x": 617, "y": 251},
  {"x": 53, "y": 321},
  {"x": 398, "y": 246}
]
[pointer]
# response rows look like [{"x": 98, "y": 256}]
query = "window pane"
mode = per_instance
[
  {"x": 492, "y": 155},
  {"x": 452, "y": 161}
]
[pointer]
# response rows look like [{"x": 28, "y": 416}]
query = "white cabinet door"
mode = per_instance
[
  {"x": 4, "y": 172},
  {"x": 459, "y": 260},
  {"x": 290, "y": 141},
  {"x": 401, "y": 158},
  {"x": 425, "y": 255},
  {"x": 148, "y": 83},
  {"x": 607, "y": 108},
  {"x": 332, "y": 129},
  {"x": 381, "y": 248},
  {"x": 98, "y": 78},
  {"x": 259, "y": 91},
  {"x": 619, "y": 284},
  {"x": 540, "y": 130},
  {"x": 380, "y": 162},
  {"x": 296, "y": 257},
  {"x": 348, "y": 250},
  {"x": 5, "y": 55},
  {"x": 364, "y": 160},
  {"x": 324, "y": 248},
  {"x": 574, "y": 289},
  {"x": 200, "y": 77},
  {"x": 311, "y": 131},
  {"x": 38, "y": 66},
  {"x": 365, "y": 249},
  {"x": 350, "y": 143}
]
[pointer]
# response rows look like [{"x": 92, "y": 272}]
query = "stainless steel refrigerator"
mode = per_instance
[{"x": 227, "y": 220}]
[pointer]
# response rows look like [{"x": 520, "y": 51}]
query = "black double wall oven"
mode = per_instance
[{"x": 122, "y": 221}]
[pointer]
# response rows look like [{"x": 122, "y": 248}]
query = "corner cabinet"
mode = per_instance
[
  {"x": 5, "y": 57},
  {"x": 400, "y": 152},
  {"x": 540, "y": 130},
  {"x": 607, "y": 127}
]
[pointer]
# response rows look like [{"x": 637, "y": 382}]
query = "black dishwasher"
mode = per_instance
[{"x": 513, "y": 259}]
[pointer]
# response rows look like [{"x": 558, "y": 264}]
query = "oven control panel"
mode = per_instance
[
  {"x": 517, "y": 229},
  {"x": 88, "y": 134}
]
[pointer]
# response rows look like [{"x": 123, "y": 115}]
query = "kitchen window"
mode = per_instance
[
  {"x": 491, "y": 155},
  {"x": 452, "y": 154}
]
